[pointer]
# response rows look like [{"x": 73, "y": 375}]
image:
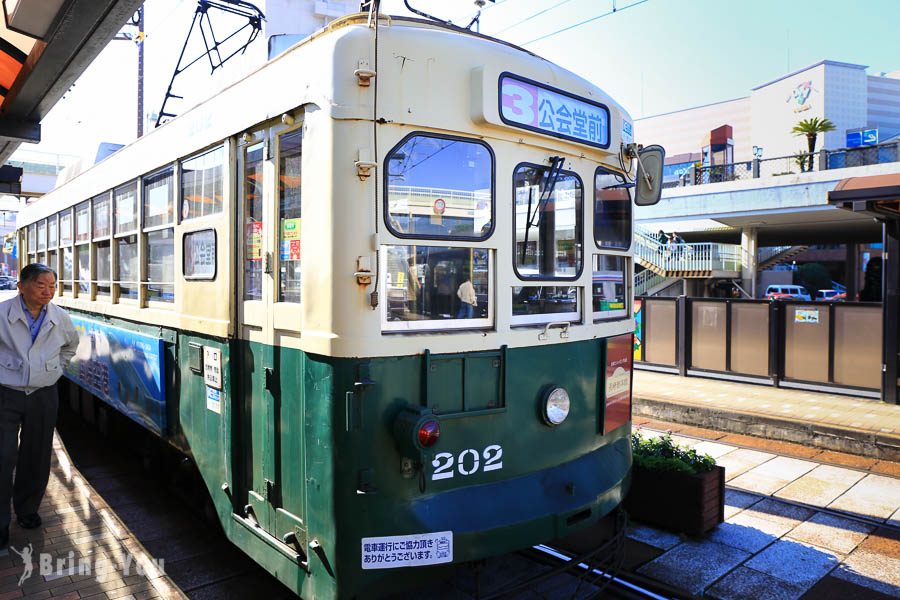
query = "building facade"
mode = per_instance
[{"x": 844, "y": 93}]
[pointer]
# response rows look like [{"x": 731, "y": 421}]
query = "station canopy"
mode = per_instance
[{"x": 45, "y": 45}]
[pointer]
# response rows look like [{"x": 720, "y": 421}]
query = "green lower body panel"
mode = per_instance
[{"x": 312, "y": 477}]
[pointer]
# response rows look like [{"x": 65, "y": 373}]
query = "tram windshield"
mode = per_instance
[
  {"x": 548, "y": 225},
  {"x": 440, "y": 188}
]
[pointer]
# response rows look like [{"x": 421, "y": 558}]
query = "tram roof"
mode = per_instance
[{"x": 38, "y": 210}]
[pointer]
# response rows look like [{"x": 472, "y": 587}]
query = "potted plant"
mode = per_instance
[{"x": 675, "y": 488}]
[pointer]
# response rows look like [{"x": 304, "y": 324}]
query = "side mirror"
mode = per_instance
[{"x": 648, "y": 184}]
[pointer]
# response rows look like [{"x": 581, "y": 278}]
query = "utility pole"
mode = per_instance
[
  {"x": 137, "y": 21},
  {"x": 140, "y": 73}
]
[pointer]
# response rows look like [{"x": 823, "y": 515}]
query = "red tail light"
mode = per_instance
[
  {"x": 429, "y": 432},
  {"x": 619, "y": 357}
]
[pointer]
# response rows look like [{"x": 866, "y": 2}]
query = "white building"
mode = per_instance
[{"x": 841, "y": 92}]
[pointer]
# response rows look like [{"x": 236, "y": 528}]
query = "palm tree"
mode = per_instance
[{"x": 811, "y": 128}]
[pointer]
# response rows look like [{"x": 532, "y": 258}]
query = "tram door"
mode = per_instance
[{"x": 270, "y": 423}]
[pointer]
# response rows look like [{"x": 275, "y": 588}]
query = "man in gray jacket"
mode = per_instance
[{"x": 37, "y": 340}]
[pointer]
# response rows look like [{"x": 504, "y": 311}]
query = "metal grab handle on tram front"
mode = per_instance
[{"x": 563, "y": 325}]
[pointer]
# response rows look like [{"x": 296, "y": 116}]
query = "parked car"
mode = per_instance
[
  {"x": 830, "y": 296},
  {"x": 7, "y": 282},
  {"x": 787, "y": 292}
]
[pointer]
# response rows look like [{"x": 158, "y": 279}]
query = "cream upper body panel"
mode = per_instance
[{"x": 428, "y": 79}]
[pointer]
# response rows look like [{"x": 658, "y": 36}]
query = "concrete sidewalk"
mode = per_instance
[
  {"x": 82, "y": 550},
  {"x": 855, "y": 425}
]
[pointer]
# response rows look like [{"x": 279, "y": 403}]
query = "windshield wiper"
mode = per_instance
[{"x": 551, "y": 176}]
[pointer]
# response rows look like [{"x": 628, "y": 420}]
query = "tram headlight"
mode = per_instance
[{"x": 556, "y": 406}]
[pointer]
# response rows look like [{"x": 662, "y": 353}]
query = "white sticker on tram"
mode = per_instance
[
  {"x": 212, "y": 367},
  {"x": 214, "y": 400},
  {"x": 467, "y": 462},
  {"x": 395, "y": 551}
]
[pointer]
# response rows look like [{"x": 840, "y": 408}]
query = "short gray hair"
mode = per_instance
[{"x": 33, "y": 271}]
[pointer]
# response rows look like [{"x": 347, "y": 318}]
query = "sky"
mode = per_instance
[{"x": 652, "y": 56}]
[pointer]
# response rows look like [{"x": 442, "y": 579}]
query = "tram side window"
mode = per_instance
[
  {"x": 436, "y": 283},
  {"x": 42, "y": 236},
  {"x": 608, "y": 287},
  {"x": 440, "y": 187},
  {"x": 289, "y": 213},
  {"x": 127, "y": 273},
  {"x": 67, "y": 269},
  {"x": 83, "y": 248},
  {"x": 612, "y": 210},
  {"x": 159, "y": 195},
  {"x": 201, "y": 184},
  {"x": 102, "y": 229},
  {"x": 253, "y": 223},
  {"x": 52, "y": 243},
  {"x": 548, "y": 218}
]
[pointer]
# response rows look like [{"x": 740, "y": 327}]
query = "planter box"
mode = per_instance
[{"x": 690, "y": 504}]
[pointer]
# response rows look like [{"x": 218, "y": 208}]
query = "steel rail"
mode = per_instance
[{"x": 631, "y": 587}]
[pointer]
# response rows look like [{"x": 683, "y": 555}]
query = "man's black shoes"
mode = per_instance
[{"x": 32, "y": 521}]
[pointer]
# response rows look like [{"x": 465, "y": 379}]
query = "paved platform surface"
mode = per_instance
[
  {"x": 800, "y": 522},
  {"x": 855, "y": 425},
  {"x": 82, "y": 550}
]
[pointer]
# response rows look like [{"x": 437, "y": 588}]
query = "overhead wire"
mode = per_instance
[
  {"x": 586, "y": 21},
  {"x": 535, "y": 15}
]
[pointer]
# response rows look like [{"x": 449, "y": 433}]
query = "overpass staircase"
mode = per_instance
[
  {"x": 775, "y": 255},
  {"x": 666, "y": 264}
]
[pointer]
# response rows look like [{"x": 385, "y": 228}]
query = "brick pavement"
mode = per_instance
[
  {"x": 848, "y": 424},
  {"x": 799, "y": 523},
  {"x": 82, "y": 550}
]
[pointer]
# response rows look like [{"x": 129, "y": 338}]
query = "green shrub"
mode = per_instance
[{"x": 661, "y": 454}]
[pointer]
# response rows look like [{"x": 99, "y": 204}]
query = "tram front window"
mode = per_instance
[
  {"x": 548, "y": 223},
  {"x": 440, "y": 188},
  {"x": 436, "y": 283},
  {"x": 608, "y": 287},
  {"x": 612, "y": 210}
]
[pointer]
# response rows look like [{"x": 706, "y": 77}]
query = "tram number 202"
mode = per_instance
[{"x": 467, "y": 462}]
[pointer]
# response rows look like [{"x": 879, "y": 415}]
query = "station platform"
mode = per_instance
[
  {"x": 82, "y": 549},
  {"x": 828, "y": 422}
]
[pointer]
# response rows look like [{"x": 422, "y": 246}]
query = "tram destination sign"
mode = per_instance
[{"x": 536, "y": 107}]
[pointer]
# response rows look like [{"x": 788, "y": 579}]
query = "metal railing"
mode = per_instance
[
  {"x": 770, "y": 252},
  {"x": 646, "y": 280},
  {"x": 800, "y": 162},
  {"x": 680, "y": 258}
]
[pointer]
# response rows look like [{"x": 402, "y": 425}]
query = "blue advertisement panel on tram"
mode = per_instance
[{"x": 124, "y": 368}]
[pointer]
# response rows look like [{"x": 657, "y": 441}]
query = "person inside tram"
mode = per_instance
[{"x": 467, "y": 298}]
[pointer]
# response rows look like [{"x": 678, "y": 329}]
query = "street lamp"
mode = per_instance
[{"x": 757, "y": 152}]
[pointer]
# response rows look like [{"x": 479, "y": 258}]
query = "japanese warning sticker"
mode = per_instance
[{"x": 416, "y": 550}]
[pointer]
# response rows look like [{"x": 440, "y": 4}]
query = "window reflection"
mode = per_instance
[
  {"x": 548, "y": 228},
  {"x": 544, "y": 300},
  {"x": 290, "y": 214},
  {"x": 440, "y": 188},
  {"x": 429, "y": 283},
  {"x": 612, "y": 210},
  {"x": 253, "y": 223},
  {"x": 608, "y": 287}
]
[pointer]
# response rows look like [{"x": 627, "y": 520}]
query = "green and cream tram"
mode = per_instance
[{"x": 358, "y": 289}]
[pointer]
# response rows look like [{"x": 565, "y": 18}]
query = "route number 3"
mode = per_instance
[{"x": 467, "y": 462}]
